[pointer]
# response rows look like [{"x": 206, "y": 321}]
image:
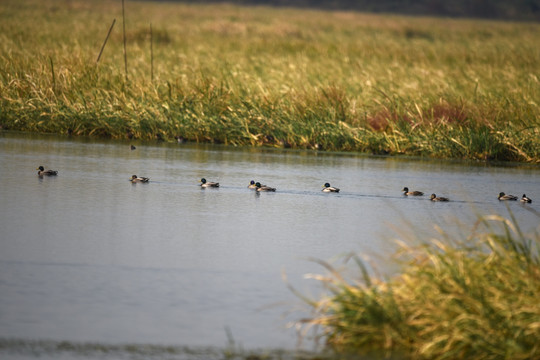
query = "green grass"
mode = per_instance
[
  {"x": 471, "y": 298},
  {"x": 273, "y": 77}
]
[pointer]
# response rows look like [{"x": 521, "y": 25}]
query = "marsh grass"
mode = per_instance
[
  {"x": 273, "y": 77},
  {"x": 471, "y": 298}
]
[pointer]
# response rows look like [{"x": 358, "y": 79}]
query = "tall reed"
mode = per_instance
[{"x": 453, "y": 299}]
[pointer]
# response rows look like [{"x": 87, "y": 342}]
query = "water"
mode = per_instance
[{"x": 89, "y": 257}]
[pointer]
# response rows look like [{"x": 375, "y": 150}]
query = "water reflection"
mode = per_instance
[{"x": 88, "y": 256}]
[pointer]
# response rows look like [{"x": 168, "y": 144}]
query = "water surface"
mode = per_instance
[{"x": 86, "y": 256}]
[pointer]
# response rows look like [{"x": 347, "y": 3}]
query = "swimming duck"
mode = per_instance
[
  {"x": 411, "y": 193},
  {"x": 328, "y": 188},
  {"x": 440, "y": 198},
  {"x": 42, "y": 172},
  {"x": 252, "y": 185},
  {"x": 525, "y": 199},
  {"x": 503, "y": 196},
  {"x": 137, "y": 179},
  {"x": 206, "y": 184},
  {"x": 264, "y": 187}
]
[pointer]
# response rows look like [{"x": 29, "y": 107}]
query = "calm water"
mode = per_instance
[{"x": 89, "y": 257}]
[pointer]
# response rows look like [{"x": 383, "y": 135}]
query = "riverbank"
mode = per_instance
[
  {"x": 261, "y": 76},
  {"x": 47, "y": 349}
]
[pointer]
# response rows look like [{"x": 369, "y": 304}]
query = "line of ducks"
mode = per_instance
[
  {"x": 433, "y": 197},
  {"x": 259, "y": 187},
  {"x": 524, "y": 198},
  {"x": 252, "y": 185},
  {"x": 326, "y": 187},
  {"x": 502, "y": 196}
]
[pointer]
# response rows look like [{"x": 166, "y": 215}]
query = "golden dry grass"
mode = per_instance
[{"x": 273, "y": 76}]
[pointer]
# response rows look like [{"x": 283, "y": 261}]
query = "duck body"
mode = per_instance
[
  {"x": 526, "y": 199},
  {"x": 503, "y": 197},
  {"x": 328, "y": 188},
  {"x": 206, "y": 184},
  {"x": 406, "y": 192},
  {"x": 264, "y": 187},
  {"x": 438, "y": 198},
  {"x": 43, "y": 172},
  {"x": 139, "y": 179}
]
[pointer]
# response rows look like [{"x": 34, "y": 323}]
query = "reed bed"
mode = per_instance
[
  {"x": 475, "y": 298},
  {"x": 266, "y": 76}
]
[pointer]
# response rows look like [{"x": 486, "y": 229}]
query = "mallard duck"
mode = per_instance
[
  {"x": 411, "y": 193},
  {"x": 137, "y": 179},
  {"x": 42, "y": 171},
  {"x": 206, "y": 184},
  {"x": 328, "y": 188},
  {"x": 440, "y": 198},
  {"x": 263, "y": 187},
  {"x": 525, "y": 199},
  {"x": 503, "y": 196},
  {"x": 252, "y": 185},
  {"x": 132, "y": 147}
]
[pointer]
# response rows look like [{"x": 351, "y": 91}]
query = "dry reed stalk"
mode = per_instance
[
  {"x": 151, "y": 54},
  {"x": 124, "y": 35},
  {"x": 105, "y": 42}
]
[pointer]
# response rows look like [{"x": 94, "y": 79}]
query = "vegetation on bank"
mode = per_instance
[
  {"x": 272, "y": 77},
  {"x": 475, "y": 298}
]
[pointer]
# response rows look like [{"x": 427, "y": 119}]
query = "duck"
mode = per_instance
[
  {"x": 411, "y": 193},
  {"x": 139, "y": 179},
  {"x": 42, "y": 171},
  {"x": 206, "y": 184},
  {"x": 440, "y": 198},
  {"x": 263, "y": 187},
  {"x": 525, "y": 199},
  {"x": 328, "y": 188},
  {"x": 503, "y": 196},
  {"x": 252, "y": 185}
]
